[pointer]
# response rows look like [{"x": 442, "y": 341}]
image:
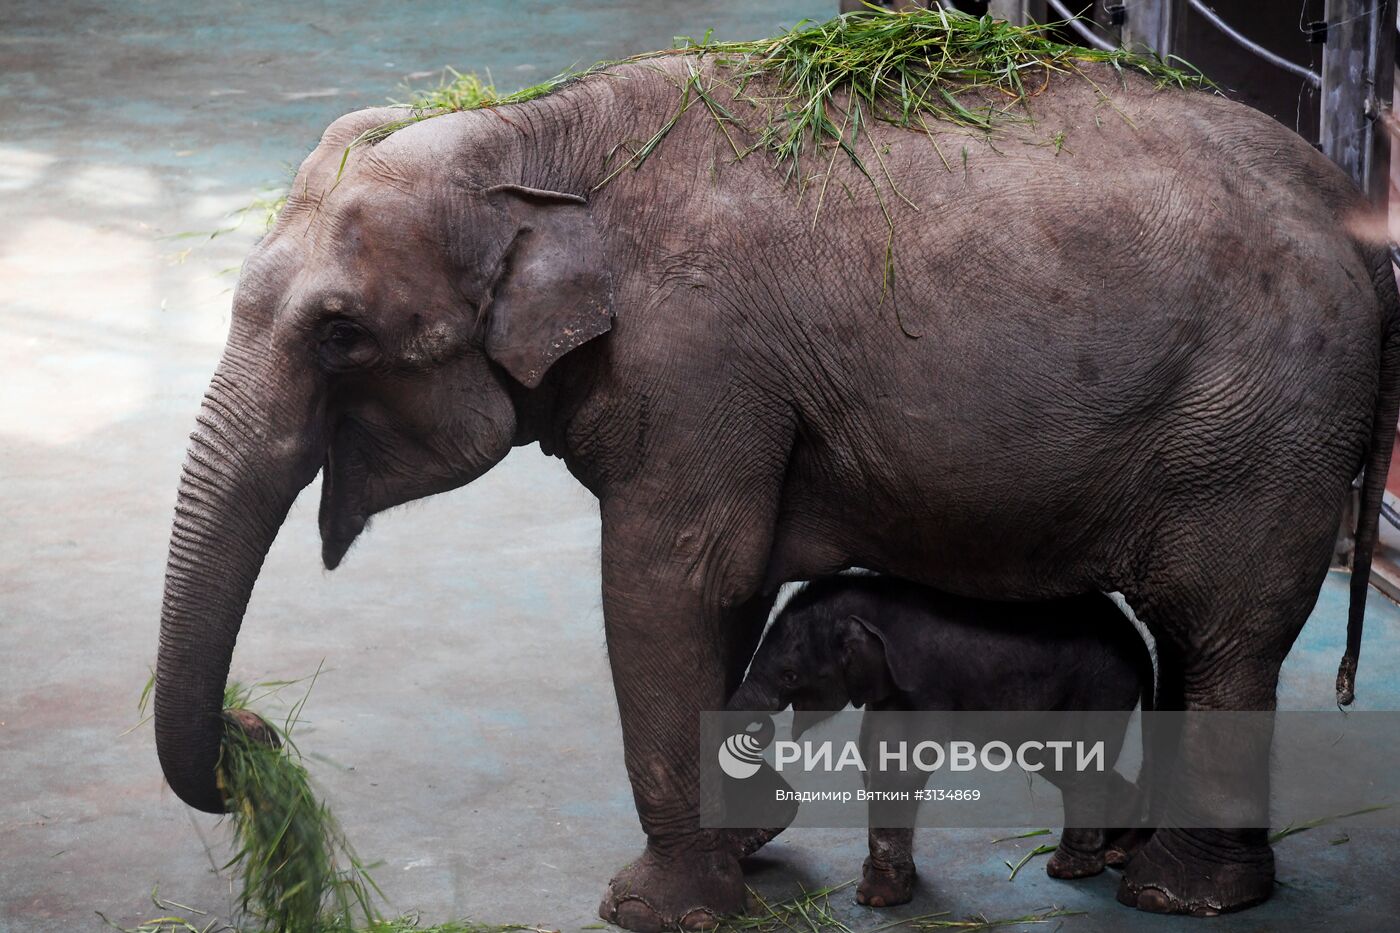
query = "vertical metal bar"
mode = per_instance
[
  {"x": 1013, "y": 11},
  {"x": 1344, "y": 134},
  {"x": 1357, "y": 76},
  {"x": 1148, "y": 26},
  {"x": 1382, "y": 43}
]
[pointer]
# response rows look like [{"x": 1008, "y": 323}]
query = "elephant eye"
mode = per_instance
[
  {"x": 346, "y": 345},
  {"x": 788, "y": 678},
  {"x": 342, "y": 333}
]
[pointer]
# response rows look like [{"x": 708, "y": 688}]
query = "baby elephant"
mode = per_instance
[{"x": 886, "y": 644}]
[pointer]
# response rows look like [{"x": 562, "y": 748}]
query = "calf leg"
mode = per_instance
[
  {"x": 1080, "y": 854},
  {"x": 1085, "y": 848},
  {"x": 888, "y": 875}
]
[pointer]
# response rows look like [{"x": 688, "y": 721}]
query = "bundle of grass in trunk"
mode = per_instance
[{"x": 299, "y": 873}]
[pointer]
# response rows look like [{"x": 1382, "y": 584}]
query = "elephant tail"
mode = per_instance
[{"x": 1383, "y": 429}]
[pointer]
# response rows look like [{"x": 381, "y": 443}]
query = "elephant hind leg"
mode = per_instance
[
  {"x": 1212, "y": 856},
  {"x": 1227, "y": 619}
]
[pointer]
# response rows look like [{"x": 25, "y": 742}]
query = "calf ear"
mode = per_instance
[
  {"x": 864, "y": 661},
  {"x": 552, "y": 291}
]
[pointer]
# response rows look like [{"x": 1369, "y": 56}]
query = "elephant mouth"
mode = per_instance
[
  {"x": 370, "y": 468},
  {"x": 344, "y": 513},
  {"x": 335, "y": 545}
]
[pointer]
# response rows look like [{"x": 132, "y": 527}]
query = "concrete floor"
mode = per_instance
[{"x": 466, "y": 718}]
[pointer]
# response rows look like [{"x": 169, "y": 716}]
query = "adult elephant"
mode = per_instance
[{"x": 1130, "y": 347}]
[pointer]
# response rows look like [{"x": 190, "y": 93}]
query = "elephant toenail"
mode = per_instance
[
  {"x": 877, "y": 901},
  {"x": 634, "y": 914},
  {"x": 699, "y": 919},
  {"x": 1154, "y": 900}
]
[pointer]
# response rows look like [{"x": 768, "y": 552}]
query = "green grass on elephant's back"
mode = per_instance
[
  {"x": 826, "y": 85},
  {"x": 825, "y": 82}
]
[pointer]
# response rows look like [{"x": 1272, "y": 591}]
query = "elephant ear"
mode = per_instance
[
  {"x": 865, "y": 661},
  {"x": 552, "y": 291}
]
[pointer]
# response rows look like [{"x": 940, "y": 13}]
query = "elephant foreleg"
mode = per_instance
[{"x": 680, "y": 632}]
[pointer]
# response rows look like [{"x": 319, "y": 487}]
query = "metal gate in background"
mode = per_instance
[
  {"x": 1325, "y": 68},
  {"x": 1335, "y": 58}
]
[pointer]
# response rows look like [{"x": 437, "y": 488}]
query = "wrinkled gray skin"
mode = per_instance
[
  {"x": 1149, "y": 361},
  {"x": 886, "y": 644}
]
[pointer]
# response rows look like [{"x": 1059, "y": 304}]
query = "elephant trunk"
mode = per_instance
[
  {"x": 242, "y": 472},
  {"x": 753, "y": 695}
]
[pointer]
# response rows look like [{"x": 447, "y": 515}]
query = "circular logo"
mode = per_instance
[{"x": 741, "y": 755}]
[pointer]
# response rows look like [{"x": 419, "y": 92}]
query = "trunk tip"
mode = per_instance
[{"x": 254, "y": 727}]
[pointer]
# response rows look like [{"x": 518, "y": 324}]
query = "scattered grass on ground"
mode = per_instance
[
  {"x": 811, "y": 912},
  {"x": 189, "y": 920},
  {"x": 411, "y": 924},
  {"x": 1022, "y": 862},
  {"x": 1029, "y": 834},
  {"x": 1295, "y": 828},
  {"x": 193, "y": 920},
  {"x": 808, "y": 910},
  {"x": 982, "y": 922},
  {"x": 1045, "y": 849},
  {"x": 1276, "y": 836}
]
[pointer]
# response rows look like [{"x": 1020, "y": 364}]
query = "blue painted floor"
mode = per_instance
[{"x": 465, "y": 730}]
